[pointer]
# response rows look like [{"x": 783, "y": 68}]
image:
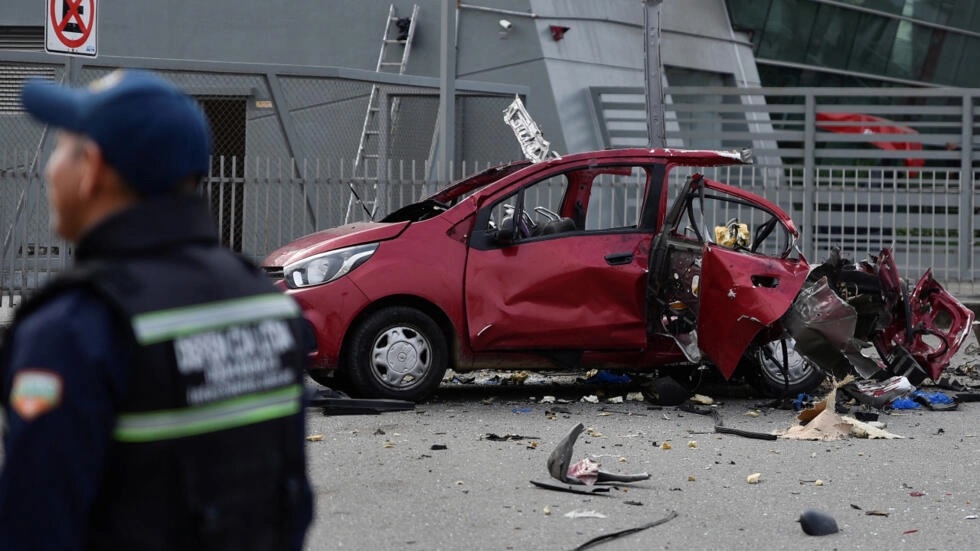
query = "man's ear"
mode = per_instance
[
  {"x": 99, "y": 179},
  {"x": 93, "y": 165}
]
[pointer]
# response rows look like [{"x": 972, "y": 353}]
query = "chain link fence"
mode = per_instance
[
  {"x": 285, "y": 150},
  {"x": 286, "y": 164}
]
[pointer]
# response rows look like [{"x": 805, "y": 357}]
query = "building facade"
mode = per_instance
[{"x": 876, "y": 43}]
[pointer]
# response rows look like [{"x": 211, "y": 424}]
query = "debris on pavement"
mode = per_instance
[
  {"x": 665, "y": 391},
  {"x": 584, "y": 514},
  {"x": 818, "y": 523},
  {"x": 823, "y": 423},
  {"x": 618, "y": 534},
  {"x": 502, "y": 437},
  {"x": 335, "y": 402},
  {"x": 753, "y": 478},
  {"x": 573, "y": 488},
  {"x": 878, "y": 394},
  {"x": 701, "y": 399},
  {"x": 585, "y": 472}
]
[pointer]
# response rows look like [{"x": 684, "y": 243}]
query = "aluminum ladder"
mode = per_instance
[{"x": 364, "y": 198}]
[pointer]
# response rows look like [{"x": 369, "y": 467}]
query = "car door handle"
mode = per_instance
[
  {"x": 618, "y": 259},
  {"x": 765, "y": 281}
]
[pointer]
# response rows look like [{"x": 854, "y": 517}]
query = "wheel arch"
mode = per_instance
[{"x": 425, "y": 306}]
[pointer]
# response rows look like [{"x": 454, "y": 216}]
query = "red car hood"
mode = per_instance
[{"x": 333, "y": 238}]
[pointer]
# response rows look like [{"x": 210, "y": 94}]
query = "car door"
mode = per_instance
[
  {"x": 725, "y": 267},
  {"x": 572, "y": 272}
]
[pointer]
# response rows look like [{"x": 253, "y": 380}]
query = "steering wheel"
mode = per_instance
[{"x": 548, "y": 213}]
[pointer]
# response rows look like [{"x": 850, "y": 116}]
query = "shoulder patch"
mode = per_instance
[{"x": 35, "y": 392}]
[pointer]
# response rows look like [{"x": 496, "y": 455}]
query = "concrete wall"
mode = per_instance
[{"x": 604, "y": 46}]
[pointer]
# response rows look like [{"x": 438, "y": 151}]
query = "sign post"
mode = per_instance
[{"x": 70, "y": 27}]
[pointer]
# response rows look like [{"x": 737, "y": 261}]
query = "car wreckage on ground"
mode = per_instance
[{"x": 577, "y": 262}]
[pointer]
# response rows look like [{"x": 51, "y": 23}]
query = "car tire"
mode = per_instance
[
  {"x": 765, "y": 362},
  {"x": 399, "y": 353}
]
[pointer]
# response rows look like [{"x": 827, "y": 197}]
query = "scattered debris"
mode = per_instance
[
  {"x": 817, "y": 523},
  {"x": 615, "y": 535},
  {"x": 823, "y": 423},
  {"x": 605, "y": 377},
  {"x": 584, "y": 514},
  {"x": 335, "y": 402},
  {"x": 435, "y": 447},
  {"x": 503, "y": 437},
  {"x": 753, "y": 478},
  {"x": 878, "y": 394},
  {"x": 573, "y": 488},
  {"x": 591, "y": 398},
  {"x": 585, "y": 472},
  {"x": 700, "y": 399},
  {"x": 665, "y": 391}
]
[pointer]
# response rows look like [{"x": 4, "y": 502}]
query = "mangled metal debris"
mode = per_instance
[
  {"x": 582, "y": 476},
  {"x": 847, "y": 307}
]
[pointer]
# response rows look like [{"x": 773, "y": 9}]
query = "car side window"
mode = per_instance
[
  {"x": 617, "y": 198},
  {"x": 534, "y": 210},
  {"x": 730, "y": 221}
]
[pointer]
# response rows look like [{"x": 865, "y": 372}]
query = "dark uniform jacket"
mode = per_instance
[{"x": 153, "y": 397}]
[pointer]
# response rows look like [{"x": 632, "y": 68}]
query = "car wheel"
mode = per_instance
[
  {"x": 399, "y": 353},
  {"x": 801, "y": 376}
]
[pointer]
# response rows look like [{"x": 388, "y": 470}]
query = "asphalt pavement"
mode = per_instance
[{"x": 455, "y": 472}]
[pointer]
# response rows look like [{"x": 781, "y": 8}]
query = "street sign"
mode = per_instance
[{"x": 70, "y": 27}]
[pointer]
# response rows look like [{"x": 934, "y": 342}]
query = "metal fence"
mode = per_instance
[{"x": 286, "y": 143}]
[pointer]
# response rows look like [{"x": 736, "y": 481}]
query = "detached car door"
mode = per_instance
[
  {"x": 561, "y": 263},
  {"x": 725, "y": 268}
]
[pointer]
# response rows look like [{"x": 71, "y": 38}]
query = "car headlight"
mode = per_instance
[{"x": 327, "y": 266}]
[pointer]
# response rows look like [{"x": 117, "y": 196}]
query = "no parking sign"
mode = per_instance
[{"x": 70, "y": 27}]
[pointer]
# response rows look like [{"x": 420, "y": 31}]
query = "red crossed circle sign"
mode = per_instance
[{"x": 72, "y": 15}]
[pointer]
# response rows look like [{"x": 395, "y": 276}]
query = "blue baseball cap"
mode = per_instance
[{"x": 152, "y": 133}]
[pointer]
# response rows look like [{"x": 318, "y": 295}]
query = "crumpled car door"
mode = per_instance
[
  {"x": 725, "y": 267},
  {"x": 741, "y": 294}
]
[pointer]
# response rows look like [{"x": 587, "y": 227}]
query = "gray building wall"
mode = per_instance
[{"x": 604, "y": 46}]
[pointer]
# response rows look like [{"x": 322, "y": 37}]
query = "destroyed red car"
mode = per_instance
[{"x": 574, "y": 262}]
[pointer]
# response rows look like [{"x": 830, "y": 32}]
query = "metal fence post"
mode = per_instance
[{"x": 967, "y": 198}]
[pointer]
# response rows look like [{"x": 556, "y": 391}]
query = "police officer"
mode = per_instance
[{"x": 152, "y": 393}]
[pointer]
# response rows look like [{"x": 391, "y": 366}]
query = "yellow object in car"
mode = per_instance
[{"x": 732, "y": 235}]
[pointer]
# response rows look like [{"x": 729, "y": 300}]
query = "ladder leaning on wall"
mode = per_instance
[{"x": 365, "y": 196}]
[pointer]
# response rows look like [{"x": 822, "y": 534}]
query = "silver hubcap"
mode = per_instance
[
  {"x": 401, "y": 356},
  {"x": 771, "y": 360}
]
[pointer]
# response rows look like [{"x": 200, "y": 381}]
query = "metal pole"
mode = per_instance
[
  {"x": 809, "y": 190},
  {"x": 653, "y": 70},
  {"x": 446, "y": 153},
  {"x": 967, "y": 197}
]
